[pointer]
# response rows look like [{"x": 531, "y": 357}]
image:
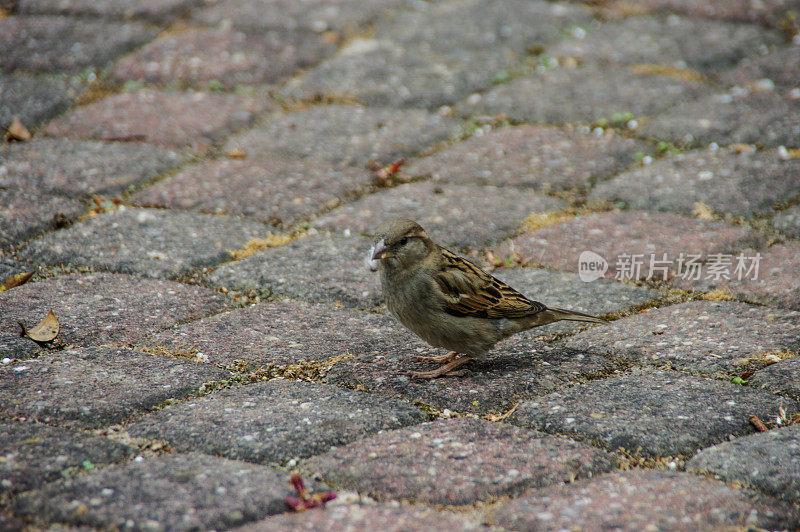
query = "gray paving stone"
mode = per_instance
[
  {"x": 12, "y": 346},
  {"x": 282, "y": 333},
  {"x": 460, "y": 216},
  {"x": 171, "y": 492},
  {"x": 225, "y": 57},
  {"x": 346, "y": 135},
  {"x": 34, "y": 454},
  {"x": 767, "y": 461},
  {"x": 27, "y": 212},
  {"x": 788, "y": 221},
  {"x": 781, "y": 378},
  {"x": 387, "y": 517},
  {"x": 9, "y": 266},
  {"x": 538, "y": 157},
  {"x": 38, "y": 43},
  {"x": 699, "y": 336},
  {"x": 157, "y": 11},
  {"x": 658, "y": 414},
  {"x": 293, "y": 270},
  {"x": 96, "y": 309},
  {"x": 741, "y": 184},
  {"x": 566, "y": 290},
  {"x": 456, "y": 462},
  {"x": 735, "y": 116},
  {"x": 437, "y": 53},
  {"x": 275, "y": 421},
  {"x": 517, "y": 370},
  {"x": 776, "y": 284},
  {"x": 781, "y": 66},
  {"x": 168, "y": 118},
  {"x": 767, "y": 12},
  {"x": 79, "y": 168},
  {"x": 625, "y": 239},
  {"x": 315, "y": 15},
  {"x": 93, "y": 387},
  {"x": 35, "y": 99},
  {"x": 583, "y": 94},
  {"x": 643, "y": 500},
  {"x": 148, "y": 242},
  {"x": 705, "y": 45},
  {"x": 269, "y": 188}
]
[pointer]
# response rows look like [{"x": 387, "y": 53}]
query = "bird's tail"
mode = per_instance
[{"x": 571, "y": 315}]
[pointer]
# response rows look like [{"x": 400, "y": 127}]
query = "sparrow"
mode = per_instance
[{"x": 448, "y": 301}]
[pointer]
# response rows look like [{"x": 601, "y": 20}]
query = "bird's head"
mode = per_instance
[{"x": 399, "y": 245}]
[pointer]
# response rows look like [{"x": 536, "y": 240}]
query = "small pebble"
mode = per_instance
[{"x": 764, "y": 85}]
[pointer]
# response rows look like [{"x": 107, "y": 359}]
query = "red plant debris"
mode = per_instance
[
  {"x": 304, "y": 499},
  {"x": 388, "y": 175}
]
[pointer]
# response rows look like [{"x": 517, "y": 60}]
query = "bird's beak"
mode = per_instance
[{"x": 377, "y": 252}]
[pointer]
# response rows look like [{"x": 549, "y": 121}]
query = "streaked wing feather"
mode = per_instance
[{"x": 471, "y": 291}]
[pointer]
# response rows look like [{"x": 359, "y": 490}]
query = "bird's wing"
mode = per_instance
[{"x": 470, "y": 291}]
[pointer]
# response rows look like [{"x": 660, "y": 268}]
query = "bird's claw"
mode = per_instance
[
  {"x": 433, "y": 374},
  {"x": 439, "y": 359},
  {"x": 446, "y": 370}
]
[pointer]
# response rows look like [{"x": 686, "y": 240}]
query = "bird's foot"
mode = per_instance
[
  {"x": 446, "y": 370},
  {"x": 439, "y": 359}
]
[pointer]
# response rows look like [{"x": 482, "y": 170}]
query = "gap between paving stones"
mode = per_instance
[
  {"x": 316, "y": 371},
  {"x": 219, "y": 152},
  {"x": 244, "y": 373}
]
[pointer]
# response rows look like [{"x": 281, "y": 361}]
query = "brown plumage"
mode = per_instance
[{"x": 448, "y": 301}]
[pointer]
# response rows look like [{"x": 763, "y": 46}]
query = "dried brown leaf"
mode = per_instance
[
  {"x": 17, "y": 131},
  {"x": 16, "y": 280},
  {"x": 501, "y": 417},
  {"x": 45, "y": 331},
  {"x": 237, "y": 152},
  {"x": 703, "y": 211},
  {"x": 742, "y": 148},
  {"x": 758, "y": 424}
]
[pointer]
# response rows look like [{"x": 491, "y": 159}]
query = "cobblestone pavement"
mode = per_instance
[{"x": 196, "y": 202}]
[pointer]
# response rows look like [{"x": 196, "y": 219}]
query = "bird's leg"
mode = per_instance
[
  {"x": 447, "y": 369},
  {"x": 440, "y": 359}
]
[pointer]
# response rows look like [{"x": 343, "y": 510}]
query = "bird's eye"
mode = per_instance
[{"x": 403, "y": 241}]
